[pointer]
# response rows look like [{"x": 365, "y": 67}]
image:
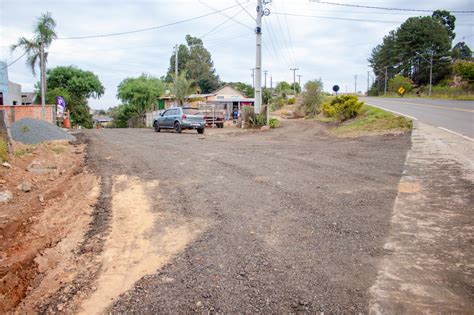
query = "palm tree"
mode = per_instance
[
  {"x": 43, "y": 33},
  {"x": 181, "y": 87}
]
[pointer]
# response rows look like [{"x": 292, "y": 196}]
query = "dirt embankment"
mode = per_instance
[{"x": 44, "y": 223}]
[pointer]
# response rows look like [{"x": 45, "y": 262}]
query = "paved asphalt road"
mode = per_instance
[{"x": 457, "y": 116}]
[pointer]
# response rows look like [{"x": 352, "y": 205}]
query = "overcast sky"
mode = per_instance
[{"x": 330, "y": 49}]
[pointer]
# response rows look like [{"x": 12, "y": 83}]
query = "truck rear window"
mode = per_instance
[{"x": 191, "y": 111}]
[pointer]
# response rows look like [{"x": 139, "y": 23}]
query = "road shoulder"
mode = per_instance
[{"x": 428, "y": 267}]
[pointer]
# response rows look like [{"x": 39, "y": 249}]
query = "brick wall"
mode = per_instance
[{"x": 16, "y": 113}]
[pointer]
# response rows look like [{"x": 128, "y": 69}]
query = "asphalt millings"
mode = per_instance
[{"x": 34, "y": 131}]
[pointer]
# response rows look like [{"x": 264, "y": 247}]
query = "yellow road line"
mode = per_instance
[{"x": 432, "y": 106}]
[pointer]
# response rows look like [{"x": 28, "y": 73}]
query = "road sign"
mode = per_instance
[
  {"x": 401, "y": 90},
  {"x": 335, "y": 88}
]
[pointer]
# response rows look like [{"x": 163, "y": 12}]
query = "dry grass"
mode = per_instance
[{"x": 3, "y": 151}]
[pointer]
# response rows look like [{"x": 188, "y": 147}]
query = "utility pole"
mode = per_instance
[
  {"x": 265, "y": 73},
  {"x": 294, "y": 79},
  {"x": 253, "y": 78},
  {"x": 299, "y": 81},
  {"x": 355, "y": 83},
  {"x": 43, "y": 83},
  {"x": 258, "y": 61},
  {"x": 385, "y": 88},
  {"x": 271, "y": 83},
  {"x": 176, "y": 61},
  {"x": 368, "y": 86},
  {"x": 431, "y": 70}
]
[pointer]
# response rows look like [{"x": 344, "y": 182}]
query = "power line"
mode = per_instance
[
  {"x": 276, "y": 48},
  {"x": 337, "y": 18},
  {"x": 289, "y": 34},
  {"x": 152, "y": 28},
  {"x": 220, "y": 24},
  {"x": 11, "y": 63},
  {"x": 221, "y": 12},
  {"x": 385, "y": 8},
  {"x": 283, "y": 34},
  {"x": 243, "y": 8}
]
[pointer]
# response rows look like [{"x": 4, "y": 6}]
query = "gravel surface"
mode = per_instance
[
  {"x": 295, "y": 220},
  {"x": 34, "y": 131}
]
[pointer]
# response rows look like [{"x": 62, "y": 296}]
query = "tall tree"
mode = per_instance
[
  {"x": 78, "y": 85},
  {"x": 245, "y": 88},
  {"x": 196, "y": 60},
  {"x": 447, "y": 20},
  {"x": 140, "y": 93},
  {"x": 409, "y": 49},
  {"x": 183, "y": 57},
  {"x": 43, "y": 33},
  {"x": 462, "y": 51}
]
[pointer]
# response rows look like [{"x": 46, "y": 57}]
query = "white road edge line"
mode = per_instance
[
  {"x": 456, "y": 133},
  {"x": 392, "y": 111}
]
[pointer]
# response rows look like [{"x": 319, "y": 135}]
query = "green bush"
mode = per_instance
[
  {"x": 395, "y": 83},
  {"x": 465, "y": 69},
  {"x": 343, "y": 107},
  {"x": 329, "y": 110},
  {"x": 257, "y": 120},
  {"x": 273, "y": 123},
  {"x": 291, "y": 101}
]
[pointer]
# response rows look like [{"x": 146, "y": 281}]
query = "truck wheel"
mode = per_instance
[
  {"x": 200, "y": 131},
  {"x": 177, "y": 127}
]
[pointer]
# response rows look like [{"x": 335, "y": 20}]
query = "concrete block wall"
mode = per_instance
[{"x": 16, "y": 113}]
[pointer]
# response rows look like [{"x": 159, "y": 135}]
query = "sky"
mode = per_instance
[{"x": 299, "y": 34}]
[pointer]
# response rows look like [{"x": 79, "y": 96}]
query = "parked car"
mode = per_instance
[{"x": 179, "y": 118}]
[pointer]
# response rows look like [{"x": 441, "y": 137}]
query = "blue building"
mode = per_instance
[{"x": 3, "y": 83}]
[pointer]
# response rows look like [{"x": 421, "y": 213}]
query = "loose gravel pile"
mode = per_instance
[{"x": 33, "y": 131}]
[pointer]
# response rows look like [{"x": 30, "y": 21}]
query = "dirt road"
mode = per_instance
[{"x": 277, "y": 221}]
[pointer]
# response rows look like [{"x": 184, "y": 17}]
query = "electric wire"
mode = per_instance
[
  {"x": 336, "y": 18},
  {"x": 282, "y": 33},
  {"x": 272, "y": 42},
  {"x": 150, "y": 28},
  {"x": 385, "y": 8},
  {"x": 220, "y": 24},
  {"x": 11, "y": 63},
  {"x": 222, "y": 13},
  {"x": 243, "y": 8},
  {"x": 289, "y": 34}
]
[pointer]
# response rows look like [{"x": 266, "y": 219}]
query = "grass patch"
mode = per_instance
[
  {"x": 57, "y": 149},
  {"x": 3, "y": 151},
  {"x": 373, "y": 120},
  {"x": 24, "y": 151}
]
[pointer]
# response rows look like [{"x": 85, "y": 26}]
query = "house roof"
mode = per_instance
[
  {"x": 230, "y": 87},
  {"x": 199, "y": 95},
  {"x": 230, "y": 100}
]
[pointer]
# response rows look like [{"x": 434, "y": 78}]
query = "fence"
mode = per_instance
[
  {"x": 150, "y": 117},
  {"x": 18, "y": 112}
]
